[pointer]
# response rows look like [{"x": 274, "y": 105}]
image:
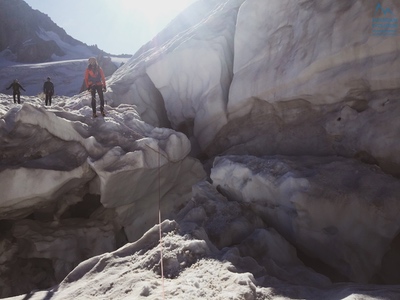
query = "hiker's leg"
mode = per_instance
[
  {"x": 101, "y": 96},
  {"x": 93, "y": 92}
]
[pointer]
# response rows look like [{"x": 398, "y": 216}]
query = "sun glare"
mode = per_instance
[
  {"x": 153, "y": 9},
  {"x": 138, "y": 21}
]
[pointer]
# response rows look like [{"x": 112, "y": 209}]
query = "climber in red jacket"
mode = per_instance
[{"x": 95, "y": 82}]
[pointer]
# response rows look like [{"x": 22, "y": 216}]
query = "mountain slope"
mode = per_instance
[{"x": 29, "y": 36}]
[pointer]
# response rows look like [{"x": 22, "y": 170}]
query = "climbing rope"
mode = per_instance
[
  {"x": 159, "y": 224},
  {"x": 160, "y": 219},
  {"x": 159, "y": 205}
]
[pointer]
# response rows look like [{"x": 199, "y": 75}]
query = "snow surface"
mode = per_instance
[
  {"x": 220, "y": 244},
  {"x": 67, "y": 76},
  {"x": 66, "y": 71}
]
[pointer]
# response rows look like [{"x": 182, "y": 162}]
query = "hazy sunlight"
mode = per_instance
[
  {"x": 154, "y": 9},
  {"x": 118, "y": 26}
]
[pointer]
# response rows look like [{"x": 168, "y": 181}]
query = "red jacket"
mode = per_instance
[{"x": 94, "y": 77}]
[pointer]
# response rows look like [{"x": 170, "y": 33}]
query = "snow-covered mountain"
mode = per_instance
[
  {"x": 29, "y": 36},
  {"x": 249, "y": 152},
  {"x": 33, "y": 47}
]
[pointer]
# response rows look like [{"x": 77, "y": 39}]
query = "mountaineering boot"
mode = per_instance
[{"x": 94, "y": 115}]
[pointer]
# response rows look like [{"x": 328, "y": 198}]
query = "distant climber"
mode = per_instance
[
  {"x": 16, "y": 90},
  {"x": 48, "y": 90},
  {"x": 95, "y": 82}
]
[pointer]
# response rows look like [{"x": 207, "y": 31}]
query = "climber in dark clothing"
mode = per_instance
[
  {"x": 16, "y": 92},
  {"x": 48, "y": 90}
]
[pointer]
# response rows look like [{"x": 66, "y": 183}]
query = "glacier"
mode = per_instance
[{"x": 248, "y": 152}]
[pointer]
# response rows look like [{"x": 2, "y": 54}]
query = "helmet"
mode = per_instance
[
  {"x": 92, "y": 60},
  {"x": 48, "y": 78}
]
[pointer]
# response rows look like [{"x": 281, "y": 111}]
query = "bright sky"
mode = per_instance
[{"x": 115, "y": 26}]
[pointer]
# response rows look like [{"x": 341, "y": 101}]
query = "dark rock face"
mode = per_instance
[
  {"x": 20, "y": 30},
  {"x": 38, "y": 51}
]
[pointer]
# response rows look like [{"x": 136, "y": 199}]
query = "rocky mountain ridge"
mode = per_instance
[{"x": 24, "y": 35}]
